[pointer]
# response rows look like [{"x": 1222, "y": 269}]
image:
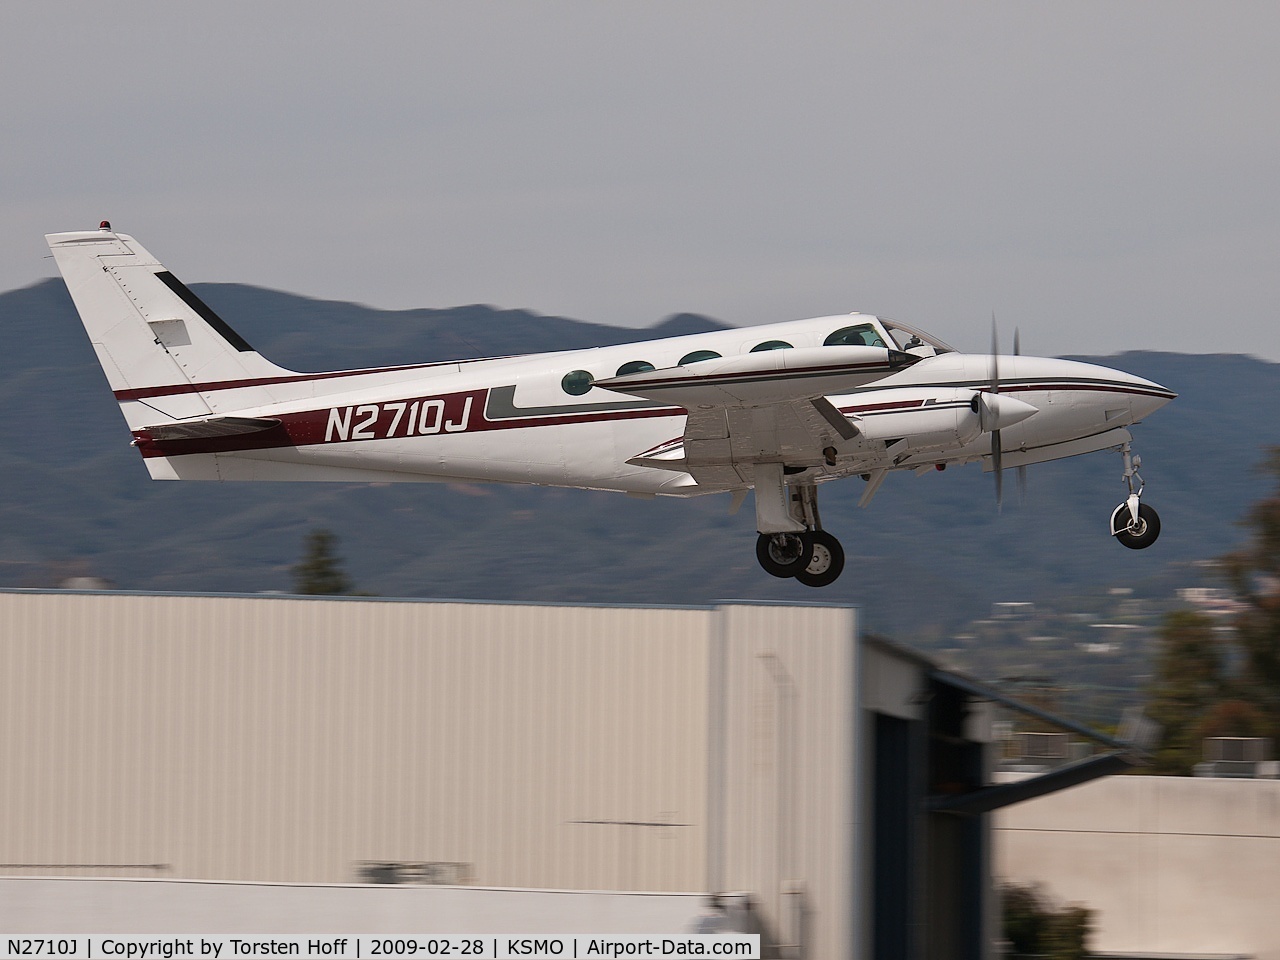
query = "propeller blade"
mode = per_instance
[
  {"x": 1022, "y": 469},
  {"x": 997, "y": 467},
  {"x": 995, "y": 355},
  {"x": 996, "y": 464}
]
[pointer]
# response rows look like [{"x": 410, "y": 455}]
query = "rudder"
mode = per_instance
[{"x": 152, "y": 333}]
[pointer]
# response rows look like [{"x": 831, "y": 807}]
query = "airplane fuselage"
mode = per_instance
[{"x": 510, "y": 419}]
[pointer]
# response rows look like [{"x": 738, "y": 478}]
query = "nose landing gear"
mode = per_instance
[{"x": 1133, "y": 523}]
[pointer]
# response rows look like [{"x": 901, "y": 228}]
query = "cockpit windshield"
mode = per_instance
[{"x": 911, "y": 340}]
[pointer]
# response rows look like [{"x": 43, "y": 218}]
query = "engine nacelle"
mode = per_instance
[{"x": 944, "y": 420}]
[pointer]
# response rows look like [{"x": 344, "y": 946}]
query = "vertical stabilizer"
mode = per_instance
[{"x": 159, "y": 344}]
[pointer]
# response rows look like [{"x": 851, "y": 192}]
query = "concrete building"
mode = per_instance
[{"x": 1171, "y": 866}]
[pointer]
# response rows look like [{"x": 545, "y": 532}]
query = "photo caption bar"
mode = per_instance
[{"x": 370, "y": 947}]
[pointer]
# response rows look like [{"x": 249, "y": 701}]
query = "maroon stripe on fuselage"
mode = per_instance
[
  {"x": 172, "y": 389},
  {"x": 414, "y": 418},
  {"x": 1134, "y": 389}
]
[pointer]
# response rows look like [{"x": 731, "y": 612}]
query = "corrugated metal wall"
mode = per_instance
[
  {"x": 286, "y": 739},
  {"x": 290, "y": 739},
  {"x": 791, "y": 805}
]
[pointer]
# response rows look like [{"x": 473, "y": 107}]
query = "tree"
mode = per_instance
[
  {"x": 1233, "y": 718},
  {"x": 1033, "y": 928},
  {"x": 319, "y": 572},
  {"x": 1254, "y": 574},
  {"x": 1188, "y": 683},
  {"x": 1208, "y": 685}
]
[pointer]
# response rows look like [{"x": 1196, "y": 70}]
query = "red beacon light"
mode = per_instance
[{"x": 105, "y": 225}]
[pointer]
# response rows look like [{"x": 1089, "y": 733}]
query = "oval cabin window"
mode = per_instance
[
  {"x": 577, "y": 382},
  {"x": 634, "y": 366}
]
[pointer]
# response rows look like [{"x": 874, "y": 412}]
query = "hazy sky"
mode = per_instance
[{"x": 1103, "y": 175}]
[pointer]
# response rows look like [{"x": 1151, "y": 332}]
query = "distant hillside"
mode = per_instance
[{"x": 931, "y": 550}]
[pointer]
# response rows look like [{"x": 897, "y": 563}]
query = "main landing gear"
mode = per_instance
[
  {"x": 814, "y": 557},
  {"x": 792, "y": 542},
  {"x": 1133, "y": 523}
]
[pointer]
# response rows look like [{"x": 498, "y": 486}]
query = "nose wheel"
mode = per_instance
[
  {"x": 1135, "y": 533},
  {"x": 1133, "y": 523}
]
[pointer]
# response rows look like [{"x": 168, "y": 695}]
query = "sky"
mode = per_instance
[{"x": 1103, "y": 176}]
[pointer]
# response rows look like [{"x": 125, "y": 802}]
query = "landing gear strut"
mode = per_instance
[
  {"x": 792, "y": 542},
  {"x": 1133, "y": 523}
]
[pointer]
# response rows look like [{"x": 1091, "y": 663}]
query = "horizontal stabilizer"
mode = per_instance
[{"x": 212, "y": 427}]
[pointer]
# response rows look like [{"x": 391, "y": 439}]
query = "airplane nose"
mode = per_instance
[
  {"x": 1145, "y": 396},
  {"x": 1123, "y": 396}
]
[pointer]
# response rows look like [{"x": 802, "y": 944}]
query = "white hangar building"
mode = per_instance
[{"x": 755, "y": 749}]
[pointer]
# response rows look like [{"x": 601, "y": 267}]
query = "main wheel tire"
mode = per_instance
[
  {"x": 1140, "y": 535},
  {"x": 826, "y": 563},
  {"x": 783, "y": 554}
]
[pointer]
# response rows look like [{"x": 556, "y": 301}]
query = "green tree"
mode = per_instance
[
  {"x": 1188, "y": 684},
  {"x": 1254, "y": 574},
  {"x": 1211, "y": 686},
  {"x": 1066, "y": 934},
  {"x": 1033, "y": 928},
  {"x": 1023, "y": 917},
  {"x": 319, "y": 572},
  {"x": 1233, "y": 718}
]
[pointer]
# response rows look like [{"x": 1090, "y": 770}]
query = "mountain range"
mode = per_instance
[{"x": 929, "y": 552}]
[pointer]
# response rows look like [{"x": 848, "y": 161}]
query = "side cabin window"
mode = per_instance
[
  {"x": 859, "y": 335},
  {"x": 634, "y": 366},
  {"x": 771, "y": 345},
  {"x": 698, "y": 355},
  {"x": 577, "y": 382}
]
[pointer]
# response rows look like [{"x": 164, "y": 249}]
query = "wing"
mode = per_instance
[{"x": 765, "y": 407}]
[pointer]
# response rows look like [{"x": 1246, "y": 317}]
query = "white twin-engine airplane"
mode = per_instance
[{"x": 780, "y": 408}]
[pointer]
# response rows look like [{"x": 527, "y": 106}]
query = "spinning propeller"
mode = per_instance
[
  {"x": 994, "y": 413},
  {"x": 996, "y": 451},
  {"x": 1022, "y": 468}
]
